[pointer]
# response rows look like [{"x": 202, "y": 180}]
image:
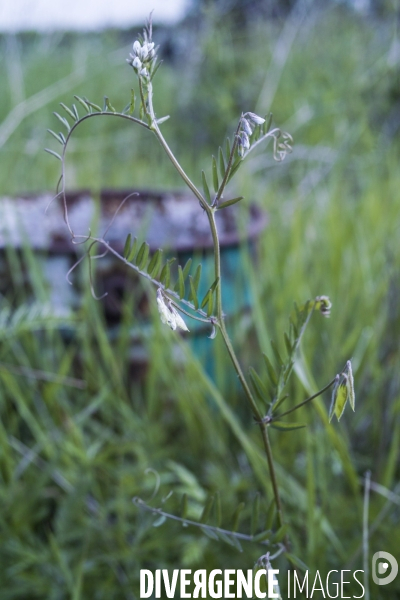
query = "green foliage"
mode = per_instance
[
  {"x": 212, "y": 511},
  {"x": 227, "y": 203},
  {"x": 280, "y": 374},
  {"x": 157, "y": 271}
]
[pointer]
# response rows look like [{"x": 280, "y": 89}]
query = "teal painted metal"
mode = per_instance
[{"x": 172, "y": 220}]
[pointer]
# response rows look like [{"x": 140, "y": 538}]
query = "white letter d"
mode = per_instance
[{"x": 143, "y": 593}]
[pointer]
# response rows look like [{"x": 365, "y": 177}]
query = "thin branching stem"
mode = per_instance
[
  {"x": 273, "y": 133},
  {"x": 95, "y": 240},
  {"x": 210, "y": 210},
  {"x": 250, "y": 398},
  {"x": 236, "y": 534},
  {"x": 274, "y": 481},
  {"x": 154, "y": 126},
  {"x": 142, "y": 98},
  {"x": 70, "y": 132},
  {"x": 330, "y": 384},
  {"x": 185, "y": 312},
  {"x": 228, "y": 167},
  {"x": 239, "y": 371},
  {"x": 307, "y": 400}
]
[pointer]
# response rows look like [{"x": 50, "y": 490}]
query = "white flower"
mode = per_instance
[
  {"x": 178, "y": 319},
  {"x": 246, "y": 127},
  {"x": 144, "y": 53},
  {"x": 245, "y": 140},
  {"x": 247, "y": 123},
  {"x": 168, "y": 314},
  {"x": 148, "y": 52},
  {"x": 136, "y": 47},
  {"x": 142, "y": 56},
  {"x": 255, "y": 118},
  {"x": 165, "y": 314}
]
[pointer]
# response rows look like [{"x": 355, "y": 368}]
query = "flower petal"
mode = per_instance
[
  {"x": 137, "y": 47},
  {"x": 178, "y": 319},
  {"x": 255, "y": 118}
]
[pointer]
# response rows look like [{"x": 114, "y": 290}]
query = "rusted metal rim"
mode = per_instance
[
  {"x": 229, "y": 234},
  {"x": 170, "y": 219}
]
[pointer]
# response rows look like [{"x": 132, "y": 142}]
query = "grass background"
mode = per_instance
[{"x": 73, "y": 456}]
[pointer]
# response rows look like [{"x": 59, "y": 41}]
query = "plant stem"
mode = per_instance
[
  {"x": 237, "y": 367},
  {"x": 268, "y": 452},
  {"x": 240, "y": 536},
  {"x": 228, "y": 167},
  {"x": 72, "y": 129},
  {"x": 304, "y": 401},
  {"x": 154, "y": 126},
  {"x": 258, "y": 417},
  {"x": 210, "y": 210}
]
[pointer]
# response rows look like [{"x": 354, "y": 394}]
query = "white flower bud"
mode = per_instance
[
  {"x": 324, "y": 305},
  {"x": 144, "y": 73},
  {"x": 245, "y": 140},
  {"x": 136, "y": 64},
  {"x": 178, "y": 320},
  {"x": 168, "y": 314},
  {"x": 350, "y": 385},
  {"x": 137, "y": 48},
  {"x": 255, "y": 118},
  {"x": 165, "y": 314},
  {"x": 246, "y": 127}
]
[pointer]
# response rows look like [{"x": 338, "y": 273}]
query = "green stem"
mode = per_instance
[
  {"x": 258, "y": 417},
  {"x": 217, "y": 267},
  {"x": 304, "y": 401},
  {"x": 268, "y": 452},
  {"x": 236, "y": 534},
  {"x": 229, "y": 166},
  {"x": 154, "y": 126},
  {"x": 237, "y": 367},
  {"x": 72, "y": 129},
  {"x": 209, "y": 210}
]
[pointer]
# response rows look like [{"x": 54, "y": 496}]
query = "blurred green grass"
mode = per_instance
[{"x": 72, "y": 458}]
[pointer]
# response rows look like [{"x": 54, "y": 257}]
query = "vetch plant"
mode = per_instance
[{"x": 177, "y": 294}]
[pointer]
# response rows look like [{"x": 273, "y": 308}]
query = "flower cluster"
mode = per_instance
[
  {"x": 142, "y": 56},
  {"x": 248, "y": 122}
]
